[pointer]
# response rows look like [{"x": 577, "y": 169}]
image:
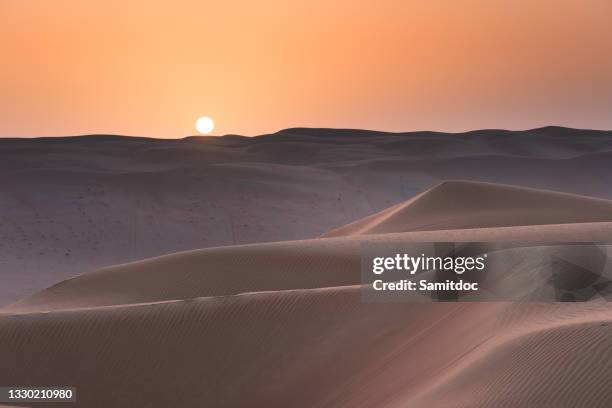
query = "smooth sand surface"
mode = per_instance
[
  {"x": 466, "y": 205},
  {"x": 72, "y": 205},
  {"x": 283, "y": 324}
]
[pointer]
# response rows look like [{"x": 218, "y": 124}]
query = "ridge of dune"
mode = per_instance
[
  {"x": 463, "y": 212},
  {"x": 469, "y": 204},
  {"x": 305, "y": 264}
]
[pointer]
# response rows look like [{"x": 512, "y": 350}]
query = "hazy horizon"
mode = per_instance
[
  {"x": 303, "y": 127},
  {"x": 142, "y": 69}
]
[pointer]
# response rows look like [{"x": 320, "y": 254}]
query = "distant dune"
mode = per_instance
[
  {"x": 283, "y": 325},
  {"x": 75, "y": 204}
]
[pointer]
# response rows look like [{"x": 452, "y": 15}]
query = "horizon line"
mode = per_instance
[{"x": 302, "y": 128}]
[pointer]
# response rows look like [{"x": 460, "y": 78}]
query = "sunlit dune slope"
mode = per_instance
[
  {"x": 316, "y": 348},
  {"x": 468, "y": 204}
]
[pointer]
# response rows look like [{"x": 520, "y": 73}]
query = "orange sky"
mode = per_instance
[{"x": 152, "y": 67}]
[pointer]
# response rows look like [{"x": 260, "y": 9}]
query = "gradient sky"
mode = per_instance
[{"x": 152, "y": 67}]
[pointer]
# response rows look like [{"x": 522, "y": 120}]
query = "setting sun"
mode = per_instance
[{"x": 205, "y": 125}]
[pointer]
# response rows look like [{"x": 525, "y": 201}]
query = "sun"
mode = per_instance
[{"x": 205, "y": 125}]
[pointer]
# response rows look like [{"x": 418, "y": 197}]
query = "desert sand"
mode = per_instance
[
  {"x": 278, "y": 324},
  {"x": 75, "y": 204}
]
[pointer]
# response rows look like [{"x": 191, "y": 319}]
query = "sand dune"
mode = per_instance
[
  {"x": 307, "y": 264},
  {"x": 464, "y": 204},
  {"x": 282, "y": 324},
  {"x": 317, "y": 348},
  {"x": 76, "y": 204},
  {"x": 537, "y": 215}
]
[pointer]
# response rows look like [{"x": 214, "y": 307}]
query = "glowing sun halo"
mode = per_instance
[{"x": 205, "y": 125}]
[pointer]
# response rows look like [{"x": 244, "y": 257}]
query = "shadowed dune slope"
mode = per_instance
[
  {"x": 467, "y": 204},
  {"x": 283, "y": 324}
]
